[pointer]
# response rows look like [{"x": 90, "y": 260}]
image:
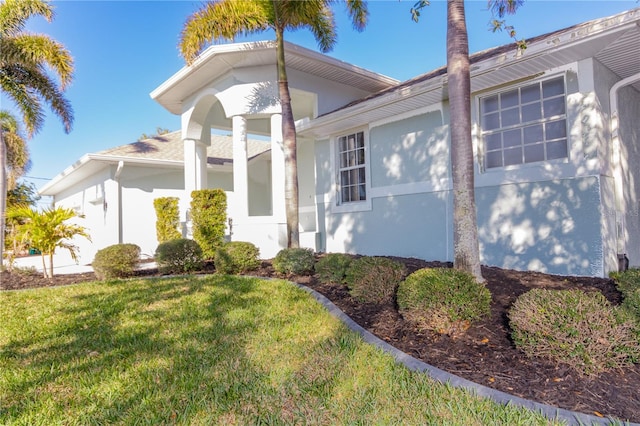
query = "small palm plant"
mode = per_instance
[{"x": 48, "y": 229}]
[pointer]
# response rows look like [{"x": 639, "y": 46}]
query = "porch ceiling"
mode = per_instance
[
  {"x": 220, "y": 59},
  {"x": 613, "y": 41}
]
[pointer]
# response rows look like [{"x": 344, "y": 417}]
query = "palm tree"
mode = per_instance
[
  {"x": 466, "y": 249},
  {"x": 24, "y": 77},
  {"x": 46, "y": 230},
  {"x": 225, "y": 19},
  {"x": 16, "y": 150}
]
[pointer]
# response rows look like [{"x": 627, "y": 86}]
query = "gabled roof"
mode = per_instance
[
  {"x": 166, "y": 151},
  {"x": 614, "y": 41},
  {"x": 219, "y": 59}
]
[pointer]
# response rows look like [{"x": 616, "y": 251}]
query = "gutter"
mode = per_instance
[{"x": 617, "y": 160}]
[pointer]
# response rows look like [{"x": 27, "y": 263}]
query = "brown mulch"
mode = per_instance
[{"x": 484, "y": 354}]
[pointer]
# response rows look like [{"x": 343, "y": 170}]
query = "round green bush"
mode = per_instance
[
  {"x": 116, "y": 261},
  {"x": 179, "y": 256},
  {"x": 332, "y": 268},
  {"x": 443, "y": 300},
  {"x": 574, "y": 327},
  {"x": 373, "y": 279},
  {"x": 236, "y": 257},
  {"x": 294, "y": 261}
]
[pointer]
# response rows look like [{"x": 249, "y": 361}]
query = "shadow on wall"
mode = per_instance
[{"x": 548, "y": 226}]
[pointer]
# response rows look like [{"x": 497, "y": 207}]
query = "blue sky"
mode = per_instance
[{"x": 125, "y": 49}]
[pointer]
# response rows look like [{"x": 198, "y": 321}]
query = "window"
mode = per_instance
[
  {"x": 351, "y": 168},
  {"x": 525, "y": 125}
]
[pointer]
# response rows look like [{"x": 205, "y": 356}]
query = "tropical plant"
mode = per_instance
[
  {"x": 48, "y": 229},
  {"x": 25, "y": 64},
  {"x": 465, "y": 227},
  {"x": 225, "y": 19}
]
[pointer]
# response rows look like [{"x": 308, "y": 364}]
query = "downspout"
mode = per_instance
[
  {"x": 116, "y": 177},
  {"x": 617, "y": 167}
]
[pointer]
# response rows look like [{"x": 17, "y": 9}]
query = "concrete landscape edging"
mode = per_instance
[{"x": 549, "y": 411}]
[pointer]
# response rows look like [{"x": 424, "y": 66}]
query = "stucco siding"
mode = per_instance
[
  {"x": 411, "y": 150},
  {"x": 551, "y": 226},
  {"x": 408, "y": 225}
]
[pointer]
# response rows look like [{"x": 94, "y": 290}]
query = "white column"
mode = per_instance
[
  {"x": 240, "y": 167},
  {"x": 277, "y": 169},
  {"x": 195, "y": 166}
]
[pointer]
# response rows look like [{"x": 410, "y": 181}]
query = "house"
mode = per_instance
[
  {"x": 555, "y": 134},
  {"x": 114, "y": 189}
]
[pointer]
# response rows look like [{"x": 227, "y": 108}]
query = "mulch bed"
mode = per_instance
[{"x": 484, "y": 354}]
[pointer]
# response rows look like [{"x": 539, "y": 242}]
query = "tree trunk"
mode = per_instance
[
  {"x": 3, "y": 195},
  {"x": 44, "y": 265},
  {"x": 465, "y": 227},
  {"x": 290, "y": 147},
  {"x": 51, "y": 265}
]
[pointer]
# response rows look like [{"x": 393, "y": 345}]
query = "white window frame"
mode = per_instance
[
  {"x": 337, "y": 205},
  {"x": 521, "y": 125}
]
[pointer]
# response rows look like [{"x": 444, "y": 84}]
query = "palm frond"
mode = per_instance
[
  {"x": 11, "y": 82},
  {"x": 39, "y": 49},
  {"x": 14, "y": 14},
  {"x": 219, "y": 21}
]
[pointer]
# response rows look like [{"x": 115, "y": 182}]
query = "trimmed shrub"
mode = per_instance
[
  {"x": 179, "y": 256},
  {"x": 628, "y": 283},
  {"x": 209, "y": 218},
  {"x": 443, "y": 300},
  {"x": 236, "y": 257},
  {"x": 574, "y": 327},
  {"x": 116, "y": 261},
  {"x": 373, "y": 279},
  {"x": 167, "y": 219},
  {"x": 332, "y": 268},
  {"x": 294, "y": 261}
]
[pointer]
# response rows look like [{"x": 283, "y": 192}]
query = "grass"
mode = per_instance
[{"x": 212, "y": 350}]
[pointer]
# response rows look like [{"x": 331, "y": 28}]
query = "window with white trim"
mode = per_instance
[
  {"x": 351, "y": 168},
  {"x": 525, "y": 125}
]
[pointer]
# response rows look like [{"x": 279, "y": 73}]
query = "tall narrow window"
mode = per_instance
[
  {"x": 351, "y": 170},
  {"x": 525, "y": 125}
]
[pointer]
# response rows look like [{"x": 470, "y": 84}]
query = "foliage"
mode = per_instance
[
  {"x": 167, "y": 218},
  {"x": 209, "y": 217},
  {"x": 332, "y": 268},
  {"x": 17, "y": 152},
  {"x": 22, "y": 194},
  {"x": 29, "y": 65},
  {"x": 179, "y": 256},
  {"x": 294, "y": 261},
  {"x": 443, "y": 300},
  {"x": 373, "y": 279},
  {"x": 209, "y": 351},
  {"x": 116, "y": 261},
  {"x": 628, "y": 282},
  {"x": 580, "y": 329},
  {"x": 236, "y": 257},
  {"x": 47, "y": 230}
]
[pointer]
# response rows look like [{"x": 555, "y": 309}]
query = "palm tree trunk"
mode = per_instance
[
  {"x": 290, "y": 147},
  {"x": 465, "y": 227}
]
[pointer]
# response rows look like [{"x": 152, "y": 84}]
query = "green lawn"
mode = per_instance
[{"x": 207, "y": 350}]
